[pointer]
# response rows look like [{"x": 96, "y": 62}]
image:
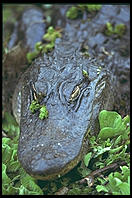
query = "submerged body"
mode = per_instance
[{"x": 53, "y": 146}]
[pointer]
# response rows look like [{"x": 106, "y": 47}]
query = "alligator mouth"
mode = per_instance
[
  {"x": 57, "y": 174},
  {"x": 40, "y": 169}
]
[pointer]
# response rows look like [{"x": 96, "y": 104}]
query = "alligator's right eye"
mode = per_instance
[{"x": 39, "y": 90}]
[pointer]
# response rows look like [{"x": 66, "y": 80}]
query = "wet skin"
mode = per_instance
[{"x": 53, "y": 146}]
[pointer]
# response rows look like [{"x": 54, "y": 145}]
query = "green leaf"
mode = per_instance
[
  {"x": 9, "y": 190},
  {"x": 124, "y": 188},
  {"x": 118, "y": 175},
  {"x": 6, "y": 140},
  {"x": 6, "y": 153},
  {"x": 102, "y": 180},
  {"x": 118, "y": 181},
  {"x": 5, "y": 178},
  {"x": 87, "y": 158},
  {"x": 129, "y": 180},
  {"x": 25, "y": 191},
  {"x": 30, "y": 186},
  {"x": 125, "y": 172},
  {"x": 99, "y": 164},
  {"x": 100, "y": 188},
  {"x": 13, "y": 166},
  {"x": 126, "y": 120},
  {"x": 72, "y": 13},
  {"x": 107, "y": 118},
  {"x": 101, "y": 150},
  {"x": 111, "y": 124},
  {"x": 112, "y": 182},
  {"x": 118, "y": 140},
  {"x": 116, "y": 150},
  {"x": 106, "y": 132},
  {"x": 14, "y": 147}
]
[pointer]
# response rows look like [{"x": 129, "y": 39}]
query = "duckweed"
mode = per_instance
[
  {"x": 32, "y": 55},
  {"x": 45, "y": 46},
  {"x": 75, "y": 11},
  {"x": 42, "y": 108},
  {"x": 43, "y": 113},
  {"x": 34, "y": 106},
  {"x": 109, "y": 29},
  {"x": 118, "y": 30},
  {"x": 93, "y": 8},
  {"x": 51, "y": 35},
  {"x": 72, "y": 13}
]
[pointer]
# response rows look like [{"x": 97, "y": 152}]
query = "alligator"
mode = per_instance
[{"x": 51, "y": 147}]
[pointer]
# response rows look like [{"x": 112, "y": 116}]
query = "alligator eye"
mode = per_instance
[
  {"x": 37, "y": 93},
  {"x": 34, "y": 92},
  {"x": 75, "y": 94}
]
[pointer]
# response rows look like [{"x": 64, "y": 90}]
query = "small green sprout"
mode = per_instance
[
  {"x": 34, "y": 106},
  {"x": 38, "y": 46},
  {"x": 109, "y": 29},
  {"x": 85, "y": 73},
  {"x": 118, "y": 30},
  {"x": 51, "y": 34},
  {"x": 32, "y": 55},
  {"x": 41, "y": 47},
  {"x": 43, "y": 113},
  {"x": 72, "y": 13},
  {"x": 93, "y": 7},
  {"x": 42, "y": 108},
  {"x": 48, "y": 47},
  {"x": 51, "y": 30}
]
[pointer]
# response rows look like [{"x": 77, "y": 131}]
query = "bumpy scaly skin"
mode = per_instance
[
  {"x": 53, "y": 146},
  {"x": 47, "y": 147}
]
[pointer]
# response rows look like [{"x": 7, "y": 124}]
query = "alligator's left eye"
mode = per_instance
[{"x": 75, "y": 94}]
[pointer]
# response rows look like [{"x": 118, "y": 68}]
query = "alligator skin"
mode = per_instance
[
  {"x": 53, "y": 146},
  {"x": 47, "y": 146}
]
